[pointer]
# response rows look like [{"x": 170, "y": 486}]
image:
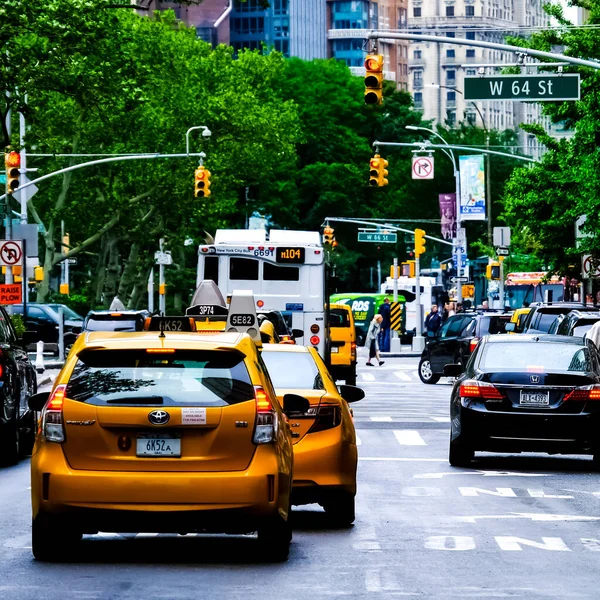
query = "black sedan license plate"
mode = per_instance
[
  {"x": 535, "y": 398},
  {"x": 156, "y": 444}
]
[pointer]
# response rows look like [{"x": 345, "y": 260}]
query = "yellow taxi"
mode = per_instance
[
  {"x": 518, "y": 318},
  {"x": 342, "y": 336},
  {"x": 267, "y": 332},
  {"x": 325, "y": 451},
  {"x": 164, "y": 431}
]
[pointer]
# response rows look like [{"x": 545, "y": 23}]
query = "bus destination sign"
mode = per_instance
[{"x": 290, "y": 255}]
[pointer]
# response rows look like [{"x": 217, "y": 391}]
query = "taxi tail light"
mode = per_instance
[
  {"x": 52, "y": 415},
  {"x": 327, "y": 416},
  {"x": 583, "y": 394},
  {"x": 473, "y": 344},
  {"x": 265, "y": 429},
  {"x": 471, "y": 388}
]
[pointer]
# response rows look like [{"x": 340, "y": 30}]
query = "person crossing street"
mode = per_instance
[{"x": 372, "y": 342}]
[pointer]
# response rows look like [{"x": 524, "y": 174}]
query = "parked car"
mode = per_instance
[
  {"x": 541, "y": 316},
  {"x": 110, "y": 320},
  {"x": 18, "y": 382},
  {"x": 42, "y": 320},
  {"x": 526, "y": 393},
  {"x": 456, "y": 339},
  {"x": 577, "y": 323}
]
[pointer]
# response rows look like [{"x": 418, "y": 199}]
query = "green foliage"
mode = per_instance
[{"x": 18, "y": 324}]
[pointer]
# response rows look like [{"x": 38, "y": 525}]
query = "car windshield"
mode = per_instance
[
  {"x": 581, "y": 329},
  {"x": 293, "y": 370},
  {"x": 339, "y": 318},
  {"x": 69, "y": 313},
  {"x": 545, "y": 322},
  {"x": 111, "y": 325},
  {"x": 142, "y": 377},
  {"x": 535, "y": 357}
]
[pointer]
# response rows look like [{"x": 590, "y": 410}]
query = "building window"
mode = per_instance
[
  {"x": 449, "y": 11},
  {"x": 470, "y": 11},
  {"x": 418, "y": 54},
  {"x": 451, "y": 53},
  {"x": 470, "y": 53},
  {"x": 451, "y": 76},
  {"x": 418, "y": 79},
  {"x": 470, "y": 35},
  {"x": 450, "y": 97},
  {"x": 450, "y": 34},
  {"x": 451, "y": 118},
  {"x": 418, "y": 99},
  {"x": 471, "y": 118},
  {"x": 417, "y": 11},
  {"x": 402, "y": 17},
  {"x": 471, "y": 72}
]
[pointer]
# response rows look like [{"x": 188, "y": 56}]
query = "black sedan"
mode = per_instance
[{"x": 526, "y": 393}]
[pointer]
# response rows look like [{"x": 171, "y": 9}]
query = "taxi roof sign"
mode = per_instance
[
  {"x": 207, "y": 300},
  {"x": 170, "y": 324},
  {"x": 242, "y": 315}
]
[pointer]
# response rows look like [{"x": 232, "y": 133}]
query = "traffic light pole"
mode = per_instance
[{"x": 418, "y": 342}]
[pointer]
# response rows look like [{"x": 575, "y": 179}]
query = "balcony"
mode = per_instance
[{"x": 460, "y": 21}]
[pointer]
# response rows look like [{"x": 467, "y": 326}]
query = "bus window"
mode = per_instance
[
  {"x": 276, "y": 273},
  {"x": 211, "y": 268},
  {"x": 243, "y": 269}
]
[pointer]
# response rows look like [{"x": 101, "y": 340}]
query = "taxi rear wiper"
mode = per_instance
[{"x": 137, "y": 400}]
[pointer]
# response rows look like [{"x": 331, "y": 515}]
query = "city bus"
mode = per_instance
[
  {"x": 285, "y": 270},
  {"x": 522, "y": 288}
]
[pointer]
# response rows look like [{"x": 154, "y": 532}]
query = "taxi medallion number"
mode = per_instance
[
  {"x": 242, "y": 320},
  {"x": 154, "y": 444}
]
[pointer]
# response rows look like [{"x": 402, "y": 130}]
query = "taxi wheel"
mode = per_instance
[
  {"x": 51, "y": 540},
  {"x": 341, "y": 509},
  {"x": 425, "y": 373},
  {"x": 274, "y": 537}
]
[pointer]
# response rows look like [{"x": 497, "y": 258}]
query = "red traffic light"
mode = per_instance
[
  {"x": 374, "y": 63},
  {"x": 12, "y": 159}
]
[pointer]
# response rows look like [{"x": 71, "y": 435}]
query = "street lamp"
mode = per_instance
[
  {"x": 450, "y": 153},
  {"x": 206, "y": 132},
  {"x": 437, "y": 86}
]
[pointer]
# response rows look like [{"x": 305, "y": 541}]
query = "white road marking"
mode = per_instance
[
  {"x": 367, "y": 376},
  {"x": 366, "y": 545},
  {"x": 441, "y": 419},
  {"x": 591, "y": 544},
  {"x": 542, "y": 494},
  {"x": 402, "y": 375},
  {"x": 450, "y": 542},
  {"x": 409, "y": 437},
  {"x": 474, "y": 492},
  {"x": 373, "y": 580},
  {"x": 358, "y": 441},
  {"x": 484, "y": 473},
  {"x": 402, "y": 459},
  {"x": 539, "y": 517},
  {"x": 381, "y": 419},
  {"x": 513, "y": 544}
]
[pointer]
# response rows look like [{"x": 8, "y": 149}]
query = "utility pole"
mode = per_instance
[
  {"x": 161, "y": 283},
  {"x": 151, "y": 290},
  {"x": 8, "y": 216},
  {"x": 395, "y": 341},
  {"x": 488, "y": 189}
]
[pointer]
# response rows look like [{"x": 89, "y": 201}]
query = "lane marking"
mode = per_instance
[
  {"x": 538, "y": 517},
  {"x": 483, "y": 473},
  {"x": 368, "y": 376},
  {"x": 409, "y": 437},
  {"x": 441, "y": 419},
  {"x": 381, "y": 419},
  {"x": 402, "y": 459},
  {"x": 511, "y": 543},
  {"x": 402, "y": 375},
  {"x": 450, "y": 542},
  {"x": 358, "y": 441}
]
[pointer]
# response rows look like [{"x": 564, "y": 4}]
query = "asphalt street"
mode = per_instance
[{"x": 518, "y": 526}]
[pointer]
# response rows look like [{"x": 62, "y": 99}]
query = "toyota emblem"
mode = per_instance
[
  {"x": 159, "y": 417},
  {"x": 534, "y": 378}
]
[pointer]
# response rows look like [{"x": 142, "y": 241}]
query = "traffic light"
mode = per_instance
[
  {"x": 419, "y": 242},
  {"x": 12, "y": 162},
  {"x": 492, "y": 271},
  {"x": 374, "y": 79},
  {"x": 378, "y": 171},
  {"x": 202, "y": 185},
  {"x": 329, "y": 236}
]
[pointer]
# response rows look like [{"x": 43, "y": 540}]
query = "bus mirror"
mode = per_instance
[{"x": 297, "y": 333}]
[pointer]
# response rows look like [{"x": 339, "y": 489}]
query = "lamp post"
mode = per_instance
[{"x": 455, "y": 243}]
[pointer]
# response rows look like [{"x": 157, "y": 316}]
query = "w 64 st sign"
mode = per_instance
[{"x": 590, "y": 267}]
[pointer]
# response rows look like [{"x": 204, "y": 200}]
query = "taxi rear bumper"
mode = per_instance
[{"x": 160, "y": 501}]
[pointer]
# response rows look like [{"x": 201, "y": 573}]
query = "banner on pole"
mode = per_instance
[
  {"x": 448, "y": 215},
  {"x": 472, "y": 188}
]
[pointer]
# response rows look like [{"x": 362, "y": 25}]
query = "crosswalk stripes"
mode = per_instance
[
  {"x": 367, "y": 376},
  {"x": 409, "y": 437},
  {"x": 403, "y": 376}
]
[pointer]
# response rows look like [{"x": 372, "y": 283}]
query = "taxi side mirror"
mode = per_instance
[
  {"x": 351, "y": 393},
  {"x": 510, "y": 327},
  {"x": 38, "y": 401},
  {"x": 453, "y": 370},
  {"x": 297, "y": 333},
  {"x": 292, "y": 403}
]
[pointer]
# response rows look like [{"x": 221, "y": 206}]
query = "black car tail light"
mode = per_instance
[
  {"x": 583, "y": 394},
  {"x": 471, "y": 388},
  {"x": 473, "y": 344},
  {"x": 327, "y": 416}
]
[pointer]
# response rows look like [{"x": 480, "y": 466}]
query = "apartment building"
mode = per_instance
[{"x": 437, "y": 71}]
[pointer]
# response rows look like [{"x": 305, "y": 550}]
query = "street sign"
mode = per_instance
[
  {"x": 72, "y": 261},
  {"x": 422, "y": 167},
  {"x": 11, "y": 253},
  {"x": 163, "y": 258},
  {"x": 589, "y": 270},
  {"x": 11, "y": 293},
  {"x": 395, "y": 316},
  {"x": 468, "y": 291},
  {"x": 502, "y": 251},
  {"x": 459, "y": 279},
  {"x": 386, "y": 238},
  {"x": 502, "y": 236},
  {"x": 534, "y": 88}
]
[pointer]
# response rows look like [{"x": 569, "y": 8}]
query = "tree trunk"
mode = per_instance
[
  {"x": 112, "y": 272},
  {"x": 128, "y": 275},
  {"x": 101, "y": 270},
  {"x": 44, "y": 287}
]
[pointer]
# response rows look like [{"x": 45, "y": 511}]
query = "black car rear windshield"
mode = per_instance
[
  {"x": 339, "y": 317},
  {"x": 94, "y": 324},
  {"x": 535, "y": 357},
  {"x": 293, "y": 370},
  {"x": 140, "y": 377},
  {"x": 494, "y": 324}
]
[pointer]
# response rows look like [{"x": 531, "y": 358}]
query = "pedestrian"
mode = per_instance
[
  {"x": 384, "y": 334},
  {"x": 433, "y": 321},
  {"x": 484, "y": 305},
  {"x": 371, "y": 340},
  {"x": 459, "y": 307}
]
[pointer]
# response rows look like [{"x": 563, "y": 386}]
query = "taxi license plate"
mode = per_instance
[
  {"x": 158, "y": 445},
  {"x": 335, "y": 349},
  {"x": 535, "y": 398}
]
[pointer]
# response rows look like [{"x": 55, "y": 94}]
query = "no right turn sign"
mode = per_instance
[{"x": 422, "y": 167}]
